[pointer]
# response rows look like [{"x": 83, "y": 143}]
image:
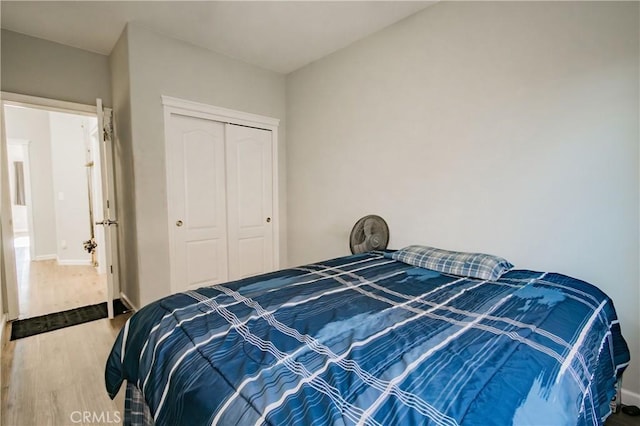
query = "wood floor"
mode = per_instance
[
  {"x": 49, "y": 377},
  {"x": 55, "y": 378},
  {"x": 46, "y": 287},
  {"x": 622, "y": 419}
]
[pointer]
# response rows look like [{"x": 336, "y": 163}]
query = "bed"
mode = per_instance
[{"x": 373, "y": 339}]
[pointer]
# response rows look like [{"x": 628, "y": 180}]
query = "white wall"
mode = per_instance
[
  {"x": 33, "y": 125},
  {"x": 507, "y": 127},
  {"x": 70, "y": 186},
  {"x": 37, "y": 67},
  {"x": 162, "y": 66},
  {"x": 124, "y": 178}
]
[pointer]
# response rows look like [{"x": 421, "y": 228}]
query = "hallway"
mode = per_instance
[{"x": 46, "y": 287}]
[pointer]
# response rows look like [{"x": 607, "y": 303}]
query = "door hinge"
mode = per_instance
[
  {"x": 111, "y": 268},
  {"x": 107, "y": 129},
  {"x": 107, "y": 203}
]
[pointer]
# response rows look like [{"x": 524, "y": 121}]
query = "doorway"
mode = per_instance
[{"x": 56, "y": 189}]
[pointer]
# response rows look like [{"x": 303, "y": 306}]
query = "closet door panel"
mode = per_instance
[
  {"x": 250, "y": 190},
  {"x": 197, "y": 201},
  {"x": 202, "y": 189},
  {"x": 250, "y": 201},
  {"x": 250, "y": 255},
  {"x": 200, "y": 267}
]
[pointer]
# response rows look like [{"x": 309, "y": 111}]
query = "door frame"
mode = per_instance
[
  {"x": 17, "y": 99},
  {"x": 223, "y": 115}
]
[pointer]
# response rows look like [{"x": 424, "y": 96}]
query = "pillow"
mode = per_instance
[{"x": 474, "y": 265}]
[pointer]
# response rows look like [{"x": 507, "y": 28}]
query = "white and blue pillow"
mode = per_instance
[{"x": 474, "y": 265}]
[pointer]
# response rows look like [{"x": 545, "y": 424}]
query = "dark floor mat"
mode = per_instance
[{"x": 44, "y": 323}]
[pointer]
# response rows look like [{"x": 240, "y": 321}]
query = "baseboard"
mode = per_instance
[
  {"x": 127, "y": 302},
  {"x": 64, "y": 262},
  {"x": 3, "y": 324},
  {"x": 630, "y": 398},
  {"x": 74, "y": 262},
  {"x": 45, "y": 257}
]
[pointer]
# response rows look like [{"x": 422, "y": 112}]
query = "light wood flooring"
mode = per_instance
[
  {"x": 46, "y": 287},
  {"x": 48, "y": 378}
]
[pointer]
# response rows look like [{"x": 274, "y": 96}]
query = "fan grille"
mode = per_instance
[{"x": 369, "y": 233}]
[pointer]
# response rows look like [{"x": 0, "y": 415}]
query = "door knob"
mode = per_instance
[
  {"x": 178, "y": 223},
  {"x": 268, "y": 219}
]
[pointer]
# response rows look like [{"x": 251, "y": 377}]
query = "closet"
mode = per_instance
[{"x": 221, "y": 192}]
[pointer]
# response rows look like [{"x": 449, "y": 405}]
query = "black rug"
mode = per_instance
[{"x": 42, "y": 324}]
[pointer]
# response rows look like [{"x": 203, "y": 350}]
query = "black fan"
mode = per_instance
[{"x": 369, "y": 233}]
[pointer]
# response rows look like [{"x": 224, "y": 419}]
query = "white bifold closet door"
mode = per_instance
[{"x": 220, "y": 196}]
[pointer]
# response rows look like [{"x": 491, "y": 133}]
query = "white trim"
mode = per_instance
[
  {"x": 17, "y": 99},
  {"x": 224, "y": 115},
  {"x": 45, "y": 257},
  {"x": 275, "y": 205},
  {"x": 3, "y": 324},
  {"x": 173, "y": 280},
  {"x": 74, "y": 262},
  {"x": 221, "y": 114},
  {"x": 17, "y": 141},
  {"x": 128, "y": 303},
  {"x": 630, "y": 398},
  {"x": 8, "y": 260}
]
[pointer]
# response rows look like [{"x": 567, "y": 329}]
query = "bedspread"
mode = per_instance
[{"x": 365, "y": 339}]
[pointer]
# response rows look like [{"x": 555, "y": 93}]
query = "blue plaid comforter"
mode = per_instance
[{"x": 368, "y": 340}]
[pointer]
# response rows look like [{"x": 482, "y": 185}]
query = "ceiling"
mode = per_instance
[{"x": 278, "y": 35}]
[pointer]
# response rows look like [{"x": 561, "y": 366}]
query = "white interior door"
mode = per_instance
[
  {"x": 8, "y": 261},
  {"x": 109, "y": 221},
  {"x": 250, "y": 200},
  {"x": 196, "y": 185},
  {"x": 97, "y": 198}
]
